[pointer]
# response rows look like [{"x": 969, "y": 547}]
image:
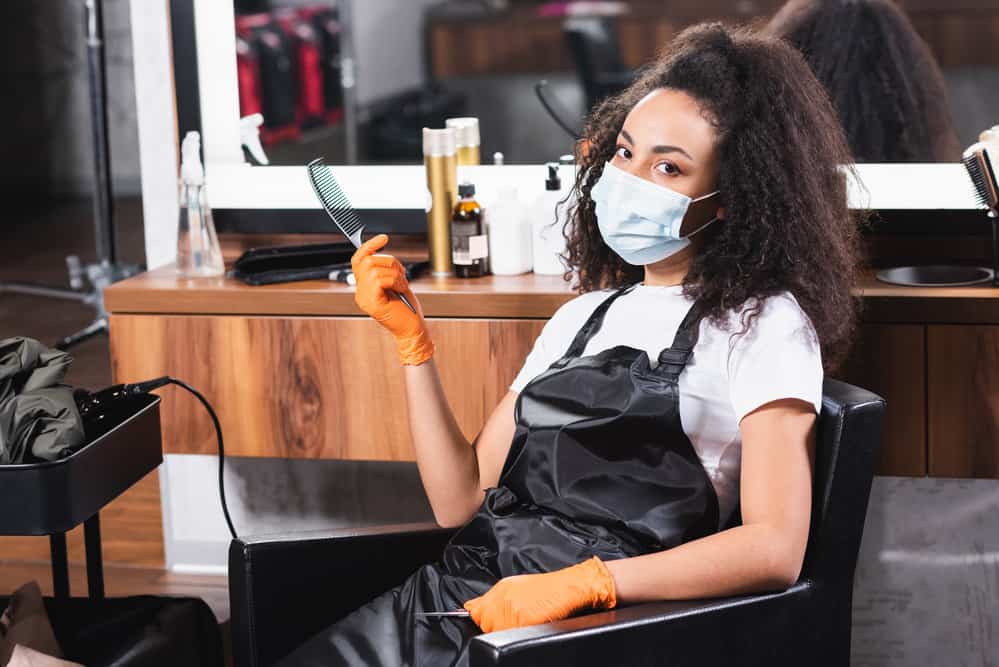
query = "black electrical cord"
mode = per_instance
[
  {"x": 539, "y": 89},
  {"x": 150, "y": 385}
]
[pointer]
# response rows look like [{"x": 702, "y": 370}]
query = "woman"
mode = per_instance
[
  {"x": 605, "y": 474},
  {"x": 881, "y": 75}
]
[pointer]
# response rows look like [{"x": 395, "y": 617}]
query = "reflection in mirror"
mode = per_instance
[{"x": 362, "y": 79}]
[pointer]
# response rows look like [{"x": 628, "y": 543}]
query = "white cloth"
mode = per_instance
[{"x": 725, "y": 379}]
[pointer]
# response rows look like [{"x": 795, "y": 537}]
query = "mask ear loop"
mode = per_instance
[{"x": 702, "y": 227}]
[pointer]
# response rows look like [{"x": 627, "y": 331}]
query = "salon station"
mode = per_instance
[{"x": 508, "y": 332}]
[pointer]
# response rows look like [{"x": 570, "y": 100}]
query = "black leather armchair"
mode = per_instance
[{"x": 285, "y": 588}]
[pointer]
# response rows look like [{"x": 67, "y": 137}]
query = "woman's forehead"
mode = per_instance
[{"x": 671, "y": 117}]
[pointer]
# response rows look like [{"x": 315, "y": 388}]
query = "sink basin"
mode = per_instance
[{"x": 935, "y": 276}]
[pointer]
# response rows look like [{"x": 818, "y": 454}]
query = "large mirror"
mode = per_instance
[{"x": 914, "y": 80}]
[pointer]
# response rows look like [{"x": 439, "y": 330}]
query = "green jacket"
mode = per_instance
[{"x": 38, "y": 415}]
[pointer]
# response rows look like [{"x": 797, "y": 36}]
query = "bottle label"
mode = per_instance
[
  {"x": 468, "y": 248},
  {"x": 478, "y": 247}
]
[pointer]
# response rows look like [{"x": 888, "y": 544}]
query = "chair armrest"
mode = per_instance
[
  {"x": 285, "y": 588},
  {"x": 748, "y": 630}
]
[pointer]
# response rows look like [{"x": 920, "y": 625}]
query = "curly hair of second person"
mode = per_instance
[
  {"x": 882, "y": 77},
  {"x": 783, "y": 163}
]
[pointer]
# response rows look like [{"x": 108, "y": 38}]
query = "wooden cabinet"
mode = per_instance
[
  {"x": 310, "y": 387},
  {"x": 963, "y": 400},
  {"x": 890, "y": 360}
]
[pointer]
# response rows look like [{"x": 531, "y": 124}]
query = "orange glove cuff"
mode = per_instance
[
  {"x": 601, "y": 583},
  {"x": 415, "y": 350}
]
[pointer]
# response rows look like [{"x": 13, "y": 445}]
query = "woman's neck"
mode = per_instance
[{"x": 670, "y": 271}]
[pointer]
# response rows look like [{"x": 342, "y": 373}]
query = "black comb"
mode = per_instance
[
  {"x": 335, "y": 202},
  {"x": 976, "y": 161},
  {"x": 332, "y": 197}
]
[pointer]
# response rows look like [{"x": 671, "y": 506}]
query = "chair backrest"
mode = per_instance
[
  {"x": 593, "y": 43},
  {"x": 846, "y": 455}
]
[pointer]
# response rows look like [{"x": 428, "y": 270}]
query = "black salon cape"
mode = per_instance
[{"x": 599, "y": 466}]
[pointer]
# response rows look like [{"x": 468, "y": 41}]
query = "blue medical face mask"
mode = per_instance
[{"x": 640, "y": 220}]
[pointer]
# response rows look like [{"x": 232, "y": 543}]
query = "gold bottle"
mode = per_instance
[
  {"x": 442, "y": 182},
  {"x": 467, "y": 140}
]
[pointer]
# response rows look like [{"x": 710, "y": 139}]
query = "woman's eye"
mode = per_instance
[
  {"x": 668, "y": 168},
  {"x": 623, "y": 152}
]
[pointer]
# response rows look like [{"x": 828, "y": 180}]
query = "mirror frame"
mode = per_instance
[{"x": 235, "y": 185}]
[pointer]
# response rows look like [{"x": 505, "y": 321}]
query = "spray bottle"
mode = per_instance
[
  {"x": 249, "y": 136},
  {"x": 198, "y": 252}
]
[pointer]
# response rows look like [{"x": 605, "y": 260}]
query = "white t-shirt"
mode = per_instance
[{"x": 778, "y": 358}]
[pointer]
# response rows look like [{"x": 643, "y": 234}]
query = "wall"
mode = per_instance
[
  {"x": 388, "y": 41},
  {"x": 46, "y": 147}
]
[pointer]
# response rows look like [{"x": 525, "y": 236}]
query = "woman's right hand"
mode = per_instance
[{"x": 375, "y": 276}]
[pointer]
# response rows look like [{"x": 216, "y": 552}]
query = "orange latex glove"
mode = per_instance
[
  {"x": 529, "y": 599},
  {"x": 374, "y": 275}
]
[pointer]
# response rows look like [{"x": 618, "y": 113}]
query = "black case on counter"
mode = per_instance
[{"x": 283, "y": 264}]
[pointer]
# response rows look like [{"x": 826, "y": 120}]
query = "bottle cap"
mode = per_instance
[
  {"x": 567, "y": 159},
  {"x": 438, "y": 142},
  {"x": 553, "y": 182},
  {"x": 466, "y": 190},
  {"x": 466, "y": 130},
  {"x": 498, "y": 158}
]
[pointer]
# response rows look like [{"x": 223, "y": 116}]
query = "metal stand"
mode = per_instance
[
  {"x": 95, "y": 561},
  {"x": 105, "y": 270},
  {"x": 60, "y": 565}
]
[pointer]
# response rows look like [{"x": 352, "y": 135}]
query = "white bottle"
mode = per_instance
[
  {"x": 198, "y": 251},
  {"x": 509, "y": 234},
  {"x": 548, "y": 221}
]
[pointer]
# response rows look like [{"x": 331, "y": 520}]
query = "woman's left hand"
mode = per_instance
[{"x": 529, "y": 599}]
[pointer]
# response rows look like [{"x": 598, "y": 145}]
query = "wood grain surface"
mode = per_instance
[
  {"x": 890, "y": 361},
  {"x": 963, "y": 401},
  {"x": 162, "y": 291},
  {"x": 310, "y": 387},
  {"x": 526, "y": 296}
]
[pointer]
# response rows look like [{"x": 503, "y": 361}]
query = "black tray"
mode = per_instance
[{"x": 55, "y": 496}]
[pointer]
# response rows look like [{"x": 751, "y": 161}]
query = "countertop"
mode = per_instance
[{"x": 161, "y": 291}]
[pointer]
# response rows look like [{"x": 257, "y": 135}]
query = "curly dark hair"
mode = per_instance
[
  {"x": 881, "y": 75},
  {"x": 783, "y": 157}
]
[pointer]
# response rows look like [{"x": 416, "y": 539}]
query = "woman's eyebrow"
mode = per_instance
[
  {"x": 662, "y": 148},
  {"x": 671, "y": 149}
]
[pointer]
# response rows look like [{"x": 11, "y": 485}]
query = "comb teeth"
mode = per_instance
[
  {"x": 333, "y": 199},
  {"x": 979, "y": 166},
  {"x": 977, "y": 179}
]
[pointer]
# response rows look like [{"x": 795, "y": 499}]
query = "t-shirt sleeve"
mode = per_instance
[
  {"x": 554, "y": 339},
  {"x": 778, "y": 358}
]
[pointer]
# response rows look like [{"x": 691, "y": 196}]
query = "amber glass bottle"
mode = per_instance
[{"x": 469, "y": 245}]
